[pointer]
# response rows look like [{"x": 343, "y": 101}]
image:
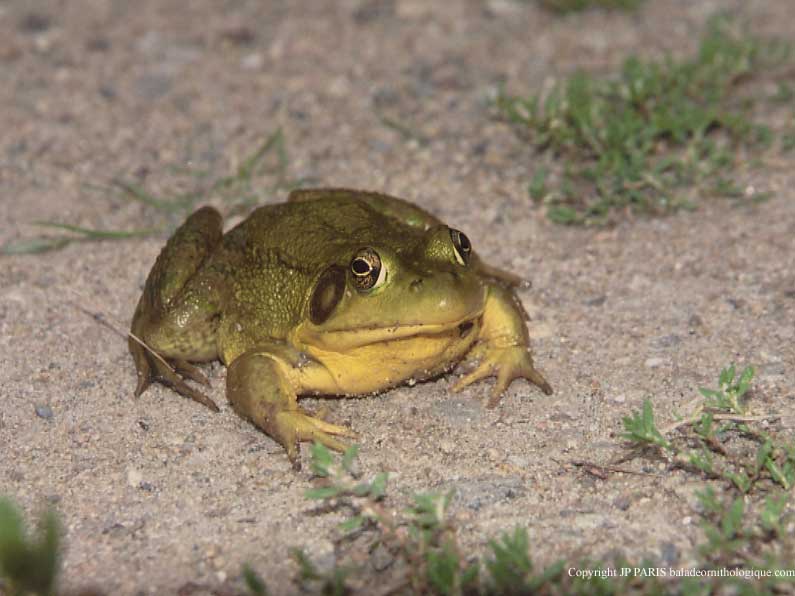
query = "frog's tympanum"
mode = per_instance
[{"x": 335, "y": 292}]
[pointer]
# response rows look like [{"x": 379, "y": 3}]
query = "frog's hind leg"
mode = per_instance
[
  {"x": 260, "y": 391},
  {"x": 176, "y": 265}
]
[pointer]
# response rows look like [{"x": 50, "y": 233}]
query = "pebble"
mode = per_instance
[
  {"x": 134, "y": 477},
  {"x": 622, "y": 502},
  {"x": 253, "y": 61},
  {"x": 669, "y": 553},
  {"x": 44, "y": 411},
  {"x": 35, "y": 23},
  {"x": 478, "y": 493},
  {"x": 668, "y": 341},
  {"x": 654, "y": 362}
]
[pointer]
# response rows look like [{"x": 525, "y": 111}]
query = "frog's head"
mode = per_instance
[{"x": 388, "y": 290}]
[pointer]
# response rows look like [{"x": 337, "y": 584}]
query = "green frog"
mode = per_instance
[{"x": 335, "y": 292}]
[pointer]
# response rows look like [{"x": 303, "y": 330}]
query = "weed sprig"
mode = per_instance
[
  {"x": 28, "y": 565},
  {"x": 641, "y": 140},
  {"x": 704, "y": 443},
  {"x": 703, "y": 436}
]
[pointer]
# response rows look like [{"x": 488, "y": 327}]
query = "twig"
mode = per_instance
[
  {"x": 590, "y": 467},
  {"x": 733, "y": 417}
]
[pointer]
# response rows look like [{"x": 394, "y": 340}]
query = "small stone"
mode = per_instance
[
  {"x": 239, "y": 36},
  {"x": 518, "y": 461},
  {"x": 654, "y": 362},
  {"x": 98, "y": 44},
  {"x": 44, "y": 411},
  {"x": 253, "y": 61},
  {"x": 619, "y": 399},
  {"x": 486, "y": 491},
  {"x": 597, "y": 301},
  {"x": 668, "y": 341},
  {"x": 152, "y": 86},
  {"x": 212, "y": 551},
  {"x": 447, "y": 446},
  {"x": 381, "y": 558},
  {"x": 622, "y": 502},
  {"x": 134, "y": 477},
  {"x": 35, "y": 23},
  {"x": 669, "y": 553}
]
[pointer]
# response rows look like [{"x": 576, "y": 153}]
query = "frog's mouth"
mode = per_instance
[{"x": 348, "y": 339}]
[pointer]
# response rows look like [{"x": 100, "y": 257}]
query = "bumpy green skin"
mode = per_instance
[{"x": 277, "y": 300}]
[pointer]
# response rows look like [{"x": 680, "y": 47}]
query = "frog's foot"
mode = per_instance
[
  {"x": 258, "y": 389},
  {"x": 156, "y": 369},
  {"x": 509, "y": 363},
  {"x": 288, "y": 428}
]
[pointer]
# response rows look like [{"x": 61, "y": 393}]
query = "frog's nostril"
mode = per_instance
[{"x": 415, "y": 285}]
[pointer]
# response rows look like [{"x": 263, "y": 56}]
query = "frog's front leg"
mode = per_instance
[
  {"x": 173, "y": 319},
  {"x": 259, "y": 388},
  {"x": 503, "y": 347}
]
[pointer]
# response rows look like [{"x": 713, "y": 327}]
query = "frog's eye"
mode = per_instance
[
  {"x": 367, "y": 270},
  {"x": 462, "y": 246}
]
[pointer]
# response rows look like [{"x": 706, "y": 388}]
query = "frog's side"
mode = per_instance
[{"x": 336, "y": 292}]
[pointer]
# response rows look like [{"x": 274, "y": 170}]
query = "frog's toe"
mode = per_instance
[
  {"x": 180, "y": 386},
  {"x": 293, "y": 426},
  {"x": 515, "y": 363},
  {"x": 509, "y": 364},
  {"x": 483, "y": 370},
  {"x": 152, "y": 369},
  {"x": 309, "y": 428},
  {"x": 187, "y": 370}
]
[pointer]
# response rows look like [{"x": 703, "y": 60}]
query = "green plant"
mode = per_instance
[
  {"x": 254, "y": 583},
  {"x": 643, "y": 139},
  {"x": 714, "y": 440},
  {"x": 730, "y": 390},
  {"x": 702, "y": 445},
  {"x": 28, "y": 565}
]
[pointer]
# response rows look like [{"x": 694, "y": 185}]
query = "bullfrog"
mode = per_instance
[{"x": 335, "y": 292}]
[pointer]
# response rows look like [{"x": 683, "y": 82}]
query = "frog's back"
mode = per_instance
[{"x": 316, "y": 233}]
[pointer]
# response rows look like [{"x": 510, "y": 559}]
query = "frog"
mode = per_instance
[{"x": 335, "y": 292}]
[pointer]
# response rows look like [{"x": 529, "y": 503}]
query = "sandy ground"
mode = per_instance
[{"x": 158, "y": 492}]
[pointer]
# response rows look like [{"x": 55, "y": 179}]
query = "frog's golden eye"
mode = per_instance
[
  {"x": 368, "y": 273},
  {"x": 462, "y": 246}
]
